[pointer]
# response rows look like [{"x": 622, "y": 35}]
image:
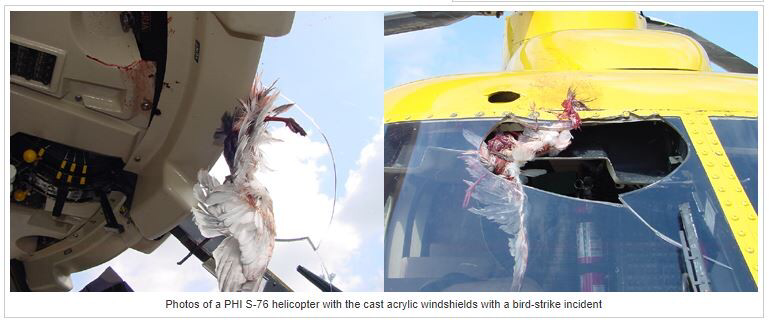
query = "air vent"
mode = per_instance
[{"x": 31, "y": 64}]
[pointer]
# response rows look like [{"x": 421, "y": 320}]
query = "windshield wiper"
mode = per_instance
[
  {"x": 316, "y": 280},
  {"x": 696, "y": 275}
]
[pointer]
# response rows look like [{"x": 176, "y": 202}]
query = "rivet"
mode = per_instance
[
  {"x": 596, "y": 115},
  {"x": 721, "y": 189},
  {"x": 710, "y": 132},
  {"x": 387, "y": 120},
  {"x": 695, "y": 131},
  {"x": 699, "y": 141},
  {"x": 751, "y": 216},
  {"x": 453, "y": 115},
  {"x": 725, "y": 164},
  {"x": 704, "y": 153},
  {"x": 744, "y": 203},
  {"x": 68, "y": 251},
  {"x": 146, "y": 105},
  {"x": 735, "y": 217},
  {"x": 739, "y": 190},
  {"x": 137, "y": 158},
  {"x": 710, "y": 164},
  {"x": 732, "y": 177},
  {"x": 479, "y": 113},
  {"x": 719, "y": 153},
  {"x": 429, "y": 116},
  {"x": 407, "y": 117},
  {"x": 715, "y": 176},
  {"x": 741, "y": 233},
  {"x": 728, "y": 203},
  {"x": 749, "y": 249},
  {"x": 715, "y": 142},
  {"x": 626, "y": 114},
  {"x": 78, "y": 98}
]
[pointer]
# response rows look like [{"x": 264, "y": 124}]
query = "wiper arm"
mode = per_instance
[
  {"x": 690, "y": 247},
  {"x": 323, "y": 285}
]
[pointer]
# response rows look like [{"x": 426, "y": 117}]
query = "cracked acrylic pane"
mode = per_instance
[{"x": 615, "y": 230}]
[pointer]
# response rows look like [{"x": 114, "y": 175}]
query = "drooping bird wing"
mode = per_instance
[
  {"x": 502, "y": 201},
  {"x": 219, "y": 210}
]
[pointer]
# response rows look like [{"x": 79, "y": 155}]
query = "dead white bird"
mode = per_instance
[
  {"x": 496, "y": 167},
  {"x": 241, "y": 208}
]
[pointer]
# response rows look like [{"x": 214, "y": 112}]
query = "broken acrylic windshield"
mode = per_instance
[{"x": 580, "y": 235}]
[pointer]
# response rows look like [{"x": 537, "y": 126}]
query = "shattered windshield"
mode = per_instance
[{"x": 614, "y": 230}]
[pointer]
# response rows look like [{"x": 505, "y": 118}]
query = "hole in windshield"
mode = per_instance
[{"x": 606, "y": 160}]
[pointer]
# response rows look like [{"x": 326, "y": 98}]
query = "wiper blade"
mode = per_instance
[
  {"x": 690, "y": 247},
  {"x": 322, "y": 284}
]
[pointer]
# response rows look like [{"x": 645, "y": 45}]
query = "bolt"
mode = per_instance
[
  {"x": 480, "y": 113},
  {"x": 78, "y": 98},
  {"x": 68, "y": 251},
  {"x": 146, "y": 105},
  {"x": 138, "y": 158},
  {"x": 453, "y": 115}
]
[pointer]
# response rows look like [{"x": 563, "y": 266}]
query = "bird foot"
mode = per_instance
[{"x": 290, "y": 123}]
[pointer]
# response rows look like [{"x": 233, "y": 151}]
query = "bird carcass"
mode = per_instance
[
  {"x": 496, "y": 169},
  {"x": 240, "y": 209}
]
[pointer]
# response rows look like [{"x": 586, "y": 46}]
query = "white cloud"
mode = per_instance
[
  {"x": 154, "y": 272},
  {"x": 352, "y": 248},
  {"x": 359, "y": 217}
]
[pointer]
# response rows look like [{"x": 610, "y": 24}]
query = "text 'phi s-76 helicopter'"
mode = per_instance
[{"x": 607, "y": 156}]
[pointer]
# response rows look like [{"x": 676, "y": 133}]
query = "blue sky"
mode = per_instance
[
  {"x": 331, "y": 65},
  {"x": 476, "y": 44}
]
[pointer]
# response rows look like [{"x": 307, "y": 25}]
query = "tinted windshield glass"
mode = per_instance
[
  {"x": 432, "y": 243},
  {"x": 739, "y": 137}
]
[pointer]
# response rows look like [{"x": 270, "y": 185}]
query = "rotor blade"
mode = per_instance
[
  {"x": 403, "y": 22},
  {"x": 718, "y": 55}
]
